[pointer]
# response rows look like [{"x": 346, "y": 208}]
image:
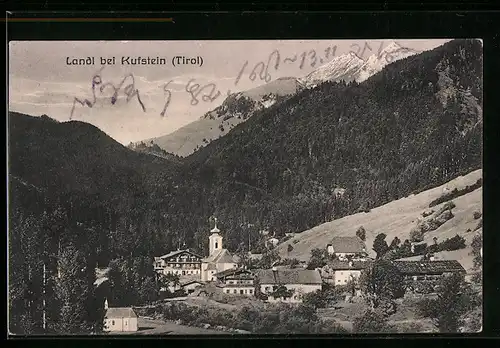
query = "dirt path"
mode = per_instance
[{"x": 159, "y": 327}]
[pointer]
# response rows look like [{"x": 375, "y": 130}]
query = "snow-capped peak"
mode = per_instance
[
  {"x": 343, "y": 67},
  {"x": 350, "y": 67},
  {"x": 393, "y": 46}
]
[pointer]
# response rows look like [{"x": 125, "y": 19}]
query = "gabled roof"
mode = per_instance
[
  {"x": 429, "y": 267},
  {"x": 184, "y": 279},
  {"x": 223, "y": 256},
  {"x": 190, "y": 282},
  {"x": 177, "y": 252},
  {"x": 120, "y": 312},
  {"x": 289, "y": 276},
  {"x": 232, "y": 272},
  {"x": 348, "y": 245},
  {"x": 338, "y": 265}
]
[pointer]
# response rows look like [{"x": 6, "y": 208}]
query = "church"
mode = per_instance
[{"x": 219, "y": 259}]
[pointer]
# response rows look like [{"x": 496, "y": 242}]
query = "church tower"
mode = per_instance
[{"x": 215, "y": 240}]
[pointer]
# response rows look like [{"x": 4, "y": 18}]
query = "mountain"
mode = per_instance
[
  {"x": 414, "y": 125},
  {"x": 350, "y": 67},
  {"x": 153, "y": 149},
  {"x": 319, "y": 155},
  {"x": 397, "y": 219},
  {"x": 235, "y": 109},
  {"x": 77, "y": 159},
  {"x": 238, "y": 107}
]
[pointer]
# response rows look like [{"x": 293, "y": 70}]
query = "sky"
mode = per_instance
[{"x": 42, "y": 82}]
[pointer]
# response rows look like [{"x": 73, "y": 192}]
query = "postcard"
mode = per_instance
[{"x": 231, "y": 187}]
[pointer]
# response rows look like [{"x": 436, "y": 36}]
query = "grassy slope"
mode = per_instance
[
  {"x": 397, "y": 218},
  {"x": 183, "y": 141}
]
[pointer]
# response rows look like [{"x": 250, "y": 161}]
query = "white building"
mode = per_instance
[
  {"x": 179, "y": 262},
  {"x": 219, "y": 259},
  {"x": 120, "y": 319},
  {"x": 298, "y": 281},
  {"x": 237, "y": 282},
  {"x": 341, "y": 272},
  {"x": 347, "y": 247}
]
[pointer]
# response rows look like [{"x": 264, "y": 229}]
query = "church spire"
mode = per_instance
[{"x": 215, "y": 229}]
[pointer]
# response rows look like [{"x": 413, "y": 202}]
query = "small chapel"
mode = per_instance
[{"x": 219, "y": 259}]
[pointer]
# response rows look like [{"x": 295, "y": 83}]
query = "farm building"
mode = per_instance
[
  {"x": 421, "y": 270},
  {"x": 297, "y": 281},
  {"x": 347, "y": 247},
  {"x": 237, "y": 281},
  {"x": 341, "y": 272},
  {"x": 423, "y": 276}
]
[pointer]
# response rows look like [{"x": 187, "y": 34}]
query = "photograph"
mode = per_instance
[{"x": 245, "y": 187}]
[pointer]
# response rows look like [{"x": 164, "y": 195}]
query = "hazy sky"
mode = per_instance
[{"x": 41, "y": 81}]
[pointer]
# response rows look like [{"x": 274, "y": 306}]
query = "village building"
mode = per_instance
[
  {"x": 237, "y": 281},
  {"x": 179, "y": 262},
  {"x": 190, "y": 286},
  {"x": 219, "y": 258},
  {"x": 120, "y": 319},
  {"x": 342, "y": 272},
  {"x": 298, "y": 281},
  {"x": 427, "y": 270},
  {"x": 347, "y": 248}
]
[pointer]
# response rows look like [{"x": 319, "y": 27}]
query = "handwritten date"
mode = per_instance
[{"x": 209, "y": 92}]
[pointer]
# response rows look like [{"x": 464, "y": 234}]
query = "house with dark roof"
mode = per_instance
[
  {"x": 423, "y": 276},
  {"x": 345, "y": 248},
  {"x": 190, "y": 286},
  {"x": 296, "y": 281},
  {"x": 120, "y": 319},
  {"x": 239, "y": 281},
  {"x": 179, "y": 262},
  {"x": 424, "y": 270}
]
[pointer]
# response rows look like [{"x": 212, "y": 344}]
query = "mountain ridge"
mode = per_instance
[
  {"x": 238, "y": 107},
  {"x": 282, "y": 170}
]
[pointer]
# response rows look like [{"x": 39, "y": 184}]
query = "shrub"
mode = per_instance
[
  {"x": 455, "y": 298},
  {"x": 371, "y": 322},
  {"x": 457, "y": 193},
  {"x": 431, "y": 224},
  {"x": 476, "y": 215},
  {"x": 319, "y": 258},
  {"x": 316, "y": 299},
  {"x": 416, "y": 236},
  {"x": 361, "y": 233},
  {"x": 427, "y": 213},
  {"x": 454, "y": 243},
  {"x": 419, "y": 249},
  {"x": 380, "y": 245}
]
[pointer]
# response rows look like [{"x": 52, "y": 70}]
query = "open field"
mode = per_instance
[
  {"x": 160, "y": 327},
  {"x": 397, "y": 218}
]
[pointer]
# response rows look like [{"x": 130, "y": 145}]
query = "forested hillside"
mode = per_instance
[
  {"x": 338, "y": 148},
  {"x": 324, "y": 153}
]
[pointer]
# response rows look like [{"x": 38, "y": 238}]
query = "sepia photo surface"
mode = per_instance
[{"x": 245, "y": 187}]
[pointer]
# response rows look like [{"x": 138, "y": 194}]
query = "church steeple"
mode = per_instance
[
  {"x": 215, "y": 229},
  {"x": 215, "y": 240}
]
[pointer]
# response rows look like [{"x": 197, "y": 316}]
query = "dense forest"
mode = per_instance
[{"x": 322, "y": 154}]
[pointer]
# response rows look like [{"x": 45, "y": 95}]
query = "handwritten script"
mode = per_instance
[{"x": 209, "y": 92}]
